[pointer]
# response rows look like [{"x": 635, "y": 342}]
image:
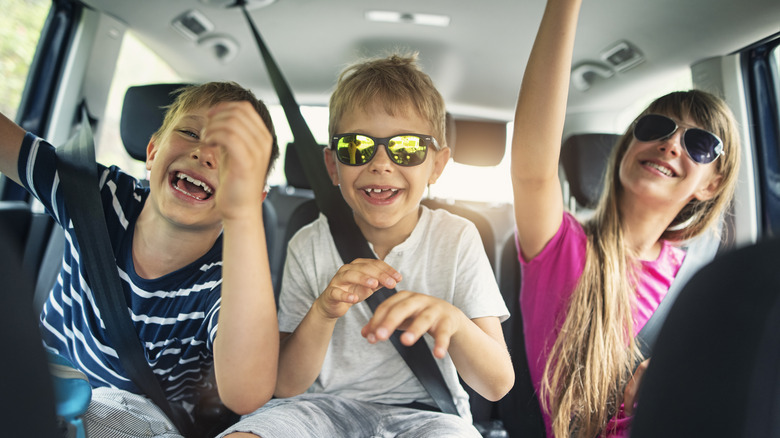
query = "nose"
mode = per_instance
[
  {"x": 206, "y": 155},
  {"x": 381, "y": 161},
  {"x": 673, "y": 144}
]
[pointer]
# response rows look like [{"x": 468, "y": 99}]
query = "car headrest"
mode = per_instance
[
  {"x": 584, "y": 158},
  {"x": 293, "y": 169},
  {"x": 143, "y": 112},
  {"x": 476, "y": 142}
]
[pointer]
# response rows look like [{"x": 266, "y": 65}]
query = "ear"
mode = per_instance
[
  {"x": 151, "y": 152},
  {"x": 708, "y": 190},
  {"x": 440, "y": 159},
  {"x": 330, "y": 163}
]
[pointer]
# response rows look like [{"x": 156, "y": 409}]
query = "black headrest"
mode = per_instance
[
  {"x": 584, "y": 158},
  {"x": 143, "y": 112},
  {"x": 715, "y": 369},
  {"x": 293, "y": 169}
]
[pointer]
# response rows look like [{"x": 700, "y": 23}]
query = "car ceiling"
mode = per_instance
[{"x": 476, "y": 62}]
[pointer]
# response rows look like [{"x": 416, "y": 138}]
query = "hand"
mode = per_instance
[
  {"x": 244, "y": 144},
  {"x": 353, "y": 283},
  {"x": 632, "y": 388},
  {"x": 416, "y": 314}
]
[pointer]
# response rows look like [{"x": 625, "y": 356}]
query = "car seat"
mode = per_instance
[{"x": 715, "y": 370}]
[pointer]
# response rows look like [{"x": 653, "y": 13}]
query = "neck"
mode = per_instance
[
  {"x": 160, "y": 247},
  {"x": 643, "y": 227},
  {"x": 385, "y": 239}
]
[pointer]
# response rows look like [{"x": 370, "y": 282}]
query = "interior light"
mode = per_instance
[{"x": 408, "y": 17}]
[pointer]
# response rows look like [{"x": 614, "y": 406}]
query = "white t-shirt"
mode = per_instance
[{"x": 443, "y": 257}]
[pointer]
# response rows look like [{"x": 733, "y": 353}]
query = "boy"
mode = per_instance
[
  {"x": 332, "y": 346},
  {"x": 190, "y": 251}
]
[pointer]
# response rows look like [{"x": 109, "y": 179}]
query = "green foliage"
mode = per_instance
[{"x": 20, "y": 27}]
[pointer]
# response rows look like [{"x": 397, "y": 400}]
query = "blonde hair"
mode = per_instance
[
  {"x": 209, "y": 94},
  {"x": 595, "y": 352},
  {"x": 397, "y": 82}
]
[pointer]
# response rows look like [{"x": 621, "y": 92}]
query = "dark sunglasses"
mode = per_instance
[
  {"x": 403, "y": 149},
  {"x": 702, "y": 146}
]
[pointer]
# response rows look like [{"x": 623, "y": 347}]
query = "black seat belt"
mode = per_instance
[
  {"x": 78, "y": 172},
  {"x": 346, "y": 234},
  {"x": 698, "y": 254}
]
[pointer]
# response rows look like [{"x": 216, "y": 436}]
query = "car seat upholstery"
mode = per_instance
[
  {"x": 286, "y": 199},
  {"x": 716, "y": 366},
  {"x": 584, "y": 161},
  {"x": 26, "y": 389}
]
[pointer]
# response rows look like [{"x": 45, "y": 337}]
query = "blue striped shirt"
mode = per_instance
[{"x": 175, "y": 315}]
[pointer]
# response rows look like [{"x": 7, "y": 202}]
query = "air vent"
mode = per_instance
[
  {"x": 192, "y": 24},
  {"x": 622, "y": 56}
]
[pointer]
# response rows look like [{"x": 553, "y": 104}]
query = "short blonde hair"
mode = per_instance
[
  {"x": 209, "y": 94},
  {"x": 397, "y": 82}
]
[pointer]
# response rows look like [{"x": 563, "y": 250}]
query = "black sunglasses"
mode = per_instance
[
  {"x": 403, "y": 149},
  {"x": 702, "y": 146}
]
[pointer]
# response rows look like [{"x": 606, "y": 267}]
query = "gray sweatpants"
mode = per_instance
[{"x": 325, "y": 415}]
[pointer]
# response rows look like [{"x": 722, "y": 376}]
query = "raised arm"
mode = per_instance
[
  {"x": 538, "y": 128},
  {"x": 247, "y": 343},
  {"x": 11, "y": 136}
]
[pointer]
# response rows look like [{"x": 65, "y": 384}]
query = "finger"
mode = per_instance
[
  {"x": 377, "y": 270},
  {"x": 388, "y": 315},
  {"x": 632, "y": 388},
  {"x": 349, "y": 275}
]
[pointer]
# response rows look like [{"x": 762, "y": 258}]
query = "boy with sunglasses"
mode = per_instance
[
  {"x": 387, "y": 125},
  {"x": 191, "y": 254}
]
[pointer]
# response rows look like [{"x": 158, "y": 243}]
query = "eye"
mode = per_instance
[{"x": 188, "y": 133}]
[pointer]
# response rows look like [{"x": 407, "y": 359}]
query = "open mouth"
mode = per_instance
[
  {"x": 665, "y": 170},
  {"x": 192, "y": 187},
  {"x": 380, "y": 194}
]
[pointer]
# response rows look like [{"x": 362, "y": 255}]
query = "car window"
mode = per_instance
[
  {"x": 133, "y": 53},
  {"x": 20, "y": 29}
]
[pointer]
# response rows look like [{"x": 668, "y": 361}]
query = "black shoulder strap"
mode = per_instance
[
  {"x": 78, "y": 172},
  {"x": 700, "y": 252},
  {"x": 348, "y": 237}
]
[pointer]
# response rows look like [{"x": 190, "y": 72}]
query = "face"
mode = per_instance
[
  {"x": 661, "y": 172},
  {"x": 382, "y": 194},
  {"x": 184, "y": 174}
]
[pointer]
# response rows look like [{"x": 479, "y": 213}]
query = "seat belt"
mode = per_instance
[
  {"x": 346, "y": 234},
  {"x": 698, "y": 254},
  {"x": 78, "y": 172}
]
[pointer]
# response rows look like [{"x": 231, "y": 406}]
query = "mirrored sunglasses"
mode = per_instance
[
  {"x": 702, "y": 146},
  {"x": 403, "y": 149}
]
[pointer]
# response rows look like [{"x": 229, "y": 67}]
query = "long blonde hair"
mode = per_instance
[{"x": 594, "y": 354}]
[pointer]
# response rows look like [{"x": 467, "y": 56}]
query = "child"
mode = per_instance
[
  {"x": 588, "y": 289},
  {"x": 387, "y": 124},
  {"x": 208, "y": 164}
]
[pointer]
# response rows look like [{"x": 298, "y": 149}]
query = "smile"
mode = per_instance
[
  {"x": 665, "y": 170},
  {"x": 192, "y": 187}
]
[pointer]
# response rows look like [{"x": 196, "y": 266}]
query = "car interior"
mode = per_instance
[{"x": 121, "y": 60}]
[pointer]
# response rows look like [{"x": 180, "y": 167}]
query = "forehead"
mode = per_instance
[
  {"x": 193, "y": 115},
  {"x": 374, "y": 116}
]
